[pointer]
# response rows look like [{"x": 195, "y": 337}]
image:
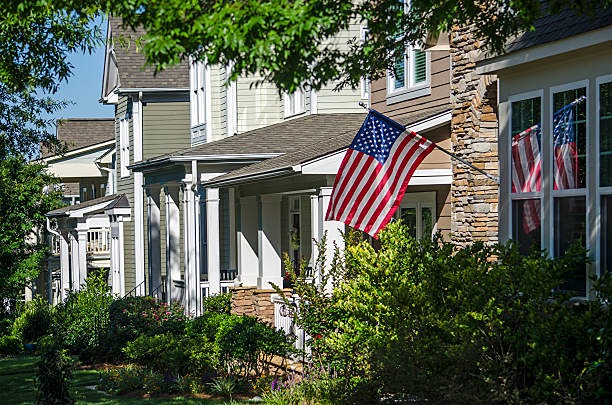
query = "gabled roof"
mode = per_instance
[
  {"x": 269, "y": 141},
  {"x": 286, "y": 163},
  {"x": 122, "y": 54},
  {"x": 97, "y": 204},
  {"x": 78, "y": 133}
]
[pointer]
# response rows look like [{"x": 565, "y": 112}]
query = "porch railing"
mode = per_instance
[
  {"x": 284, "y": 320},
  {"x": 98, "y": 241}
]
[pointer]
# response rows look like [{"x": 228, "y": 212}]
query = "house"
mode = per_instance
[
  {"x": 555, "y": 124},
  {"x": 151, "y": 118},
  {"x": 86, "y": 172}
]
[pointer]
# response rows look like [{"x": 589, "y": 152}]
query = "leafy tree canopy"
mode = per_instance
[{"x": 288, "y": 42}]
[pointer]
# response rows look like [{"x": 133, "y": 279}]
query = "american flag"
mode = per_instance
[
  {"x": 375, "y": 173},
  {"x": 566, "y": 155},
  {"x": 527, "y": 164},
  {"x": 526, "y": 173}
]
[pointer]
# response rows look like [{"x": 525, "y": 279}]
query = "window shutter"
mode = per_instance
[{"x": 420, "y": 66}]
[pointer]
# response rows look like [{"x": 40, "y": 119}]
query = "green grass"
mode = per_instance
[{"x": 18, "y": 386}]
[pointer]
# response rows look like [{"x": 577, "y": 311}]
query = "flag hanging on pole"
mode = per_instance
[{"x": 375, "y": 173}]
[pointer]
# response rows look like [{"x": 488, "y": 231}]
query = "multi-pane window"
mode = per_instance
[
  {"x": 124, "y": 144},
  {"x": 198, "y": 102},
  {"x": 553, "y": 203},
  {"x": 605, "y": 171},
  {"x": 526, "y": 133},
  {"x": 410, "y": 70},
  {"x": 417, "y": 213}
]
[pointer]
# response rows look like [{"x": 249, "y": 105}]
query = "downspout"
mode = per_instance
[{"x": 110, "y": 173}]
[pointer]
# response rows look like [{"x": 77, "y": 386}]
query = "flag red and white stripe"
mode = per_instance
[{"x": 375, "y": 173}]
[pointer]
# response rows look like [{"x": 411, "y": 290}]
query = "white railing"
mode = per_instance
[
  {"x": 225, "y": 287},
  {"x": 98, "y": 241},
  {"x": 284, "y": 320}
]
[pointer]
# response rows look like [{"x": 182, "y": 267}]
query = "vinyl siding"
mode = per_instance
[
  {"x": 439, "y": 84},
  {"x": 218, "y": 95},
  {"x": 165, "y": 128},
  {"x": 257, "y": 105},
  {"x": 125, "y": 185}
]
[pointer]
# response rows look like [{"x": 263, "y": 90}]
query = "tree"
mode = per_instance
[
  {"x": 23, "y": 203},
  {"x": 38, "y": 37},
  {"x": 287, "y": 41}
]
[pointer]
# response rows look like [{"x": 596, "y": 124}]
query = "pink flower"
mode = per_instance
[
  {"x": 167, "y": 313},
  {"x": 144, "y": 314}
]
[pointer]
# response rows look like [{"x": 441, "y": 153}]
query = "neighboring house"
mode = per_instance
[
  {"x": 86, "y": 173},
  {"x": 564, "y": 146},
  {"x": 151, "y": 118}
]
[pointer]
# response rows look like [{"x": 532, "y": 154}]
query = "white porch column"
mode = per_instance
[
  {"x": 248, "y": 255},
  {"x": 154, "y": 238},
  {"x": 173, "y": 249},
  {"x": 192, "y": 282},
  {"x": 82, "y": 229},
  {"x": 64, "y": 265},
  {"x": 269, "y": 241},
  {"x": 213, "y": 235},
  {"x": 333, "y": 229},
  {"x": 117, "y": 255},
  {"x": 75, "y": 283},
  {"x": 316, "y": 231}
]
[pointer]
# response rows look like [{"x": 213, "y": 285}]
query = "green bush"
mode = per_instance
[
  {"x": 82, "y": 319},
  {"x": 426, "y": 320},
  {"x": 245, "y": 344},
  {"x": 121, "y": 380},
  {"x": 161, "y": 353},
  {"x": 131, "y": 317},
  {"x": 206, "y": 325},
  {"x": 54, "y": 374},
  {"x": 34, "y": 321},
  {"x": 10, "y": 344},
  {"x": 220, "y": 303}
]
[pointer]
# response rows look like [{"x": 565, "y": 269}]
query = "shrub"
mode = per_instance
[
  {"x": 220, "y": 303},
  {"x": 206, "y": 325},
  {"x": 429, "y": 321},
  {"x": 244, "y": 344},
  {"x": 54, "y": 374},
  {"x": 82, "y": 319},
  {"x": 121, "y": 380},
  {"x": 34, "y": 322},
  {"x": 10, "y": 344},
  {"x": 161, "y": 353},
  {"x": 131, "y": 317}
]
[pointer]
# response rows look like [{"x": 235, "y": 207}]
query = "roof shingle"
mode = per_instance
[
  {"x": 131, "y": 63},
  {"x": 77, "y": 133}
]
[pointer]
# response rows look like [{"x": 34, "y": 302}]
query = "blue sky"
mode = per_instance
[{"x": 84, "y": 87}]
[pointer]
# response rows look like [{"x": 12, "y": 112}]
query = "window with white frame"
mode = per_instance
[
  {"x": 124, "y": 144},
  {"x": 294, "y": 103},
  {"x": 418, "y": 212},
  {"x": 604, "y": 144},
  {"x": 198, "y": 102},
  {"x": 409, "y": 77},
  {"x": 551, "y": 204}
]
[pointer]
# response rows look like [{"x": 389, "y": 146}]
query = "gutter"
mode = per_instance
[
  {"x": 230, "y": 158},
  {"x": 251, "y": 177}
]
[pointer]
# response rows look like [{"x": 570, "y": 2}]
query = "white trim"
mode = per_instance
[
  {"x": 599, "y": 190},
  {"x": 137, "y": 122},
  {"x": 124, "y": 146},
  {"x": 208, "y": 103},
  {"x": 73, "y": 152},
  {"x": 294, "y": 103},
  {"x": 232, "y": 103},
  {"x": 535, "y": 53},
  {"x": 314, "y": 102},
  {"x": 432, "y": 122}
]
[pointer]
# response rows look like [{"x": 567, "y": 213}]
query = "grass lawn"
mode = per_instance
[{"x": 18, "y": 386}]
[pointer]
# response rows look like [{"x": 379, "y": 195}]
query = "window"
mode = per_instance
[
  {"x": 604, "y": 126},
  {"x": 124, "y": 143},
  {"x": 410, "y": 71},
  {"x": 198, "y": 102},
  {"x": 294, "y": 232},
  {"x": 526, "y": 134},
  {"x": 417, "y": 211},
  {"x": 551, "y": 205},
  {"x": 294, "y": 103}
]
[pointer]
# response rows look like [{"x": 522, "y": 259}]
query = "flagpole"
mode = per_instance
[{"x": 452, "y": 155}]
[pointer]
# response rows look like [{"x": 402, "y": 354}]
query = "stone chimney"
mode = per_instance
[{"x": 474, "y": 133}]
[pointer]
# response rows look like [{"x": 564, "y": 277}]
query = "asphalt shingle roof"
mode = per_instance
[
  {"x": 66, "y": 210},
  {"x": 131, "y": 63},
  {"x": 559, "y": 26},
  {"x": 77, "y": 133},
  {"x": 284, "y": 137},
  {"x": 341, "y": 140}
]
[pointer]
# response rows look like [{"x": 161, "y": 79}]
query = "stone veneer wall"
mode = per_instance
[
  {"x": 253, "y": 302},
  {"x": 474, "y": 132}
]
